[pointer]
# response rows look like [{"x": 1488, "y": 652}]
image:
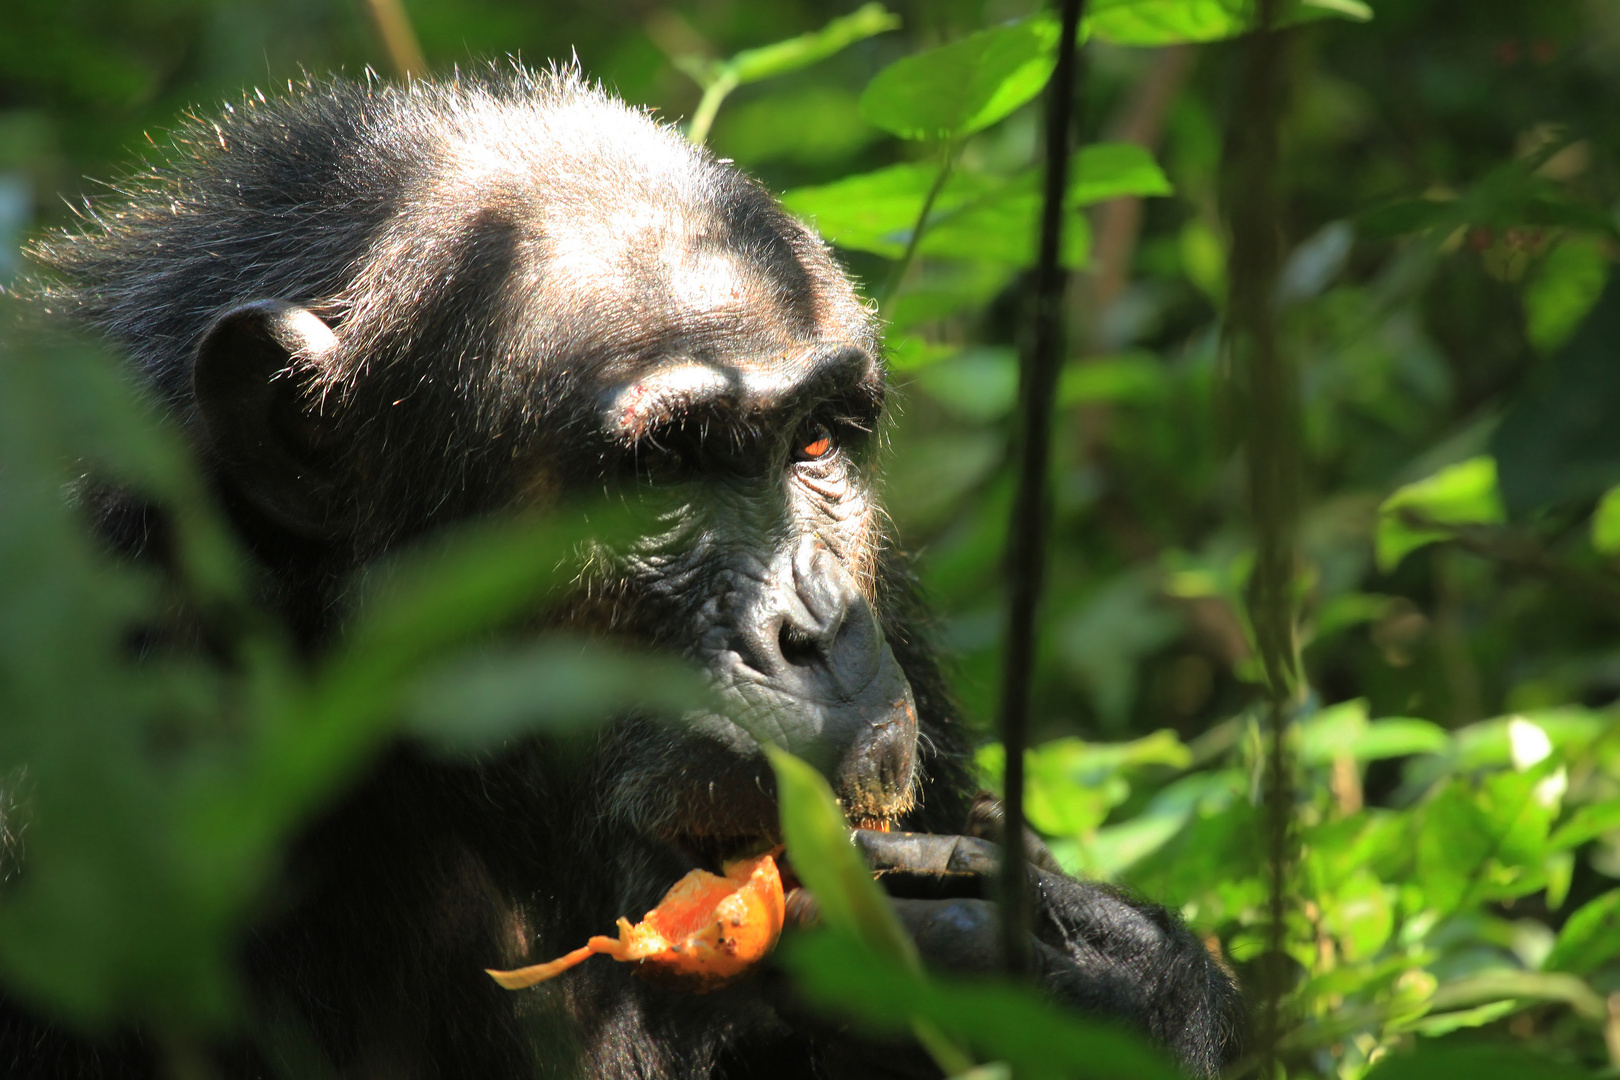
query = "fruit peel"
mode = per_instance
[{"x": 708, "y": 931}]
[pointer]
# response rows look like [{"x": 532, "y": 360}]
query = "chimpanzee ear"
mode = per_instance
[{"x": 267, "y": 435}]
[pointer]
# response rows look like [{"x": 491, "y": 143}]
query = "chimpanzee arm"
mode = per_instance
[{"x": 1095, "y": 948}]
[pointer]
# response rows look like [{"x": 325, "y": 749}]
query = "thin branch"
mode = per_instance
[
  {"x": 1517, "y": 550},
  {"x": 1026, "y": 542},
  {"x": 715, "y": 91},
  {"x": 398, "y": 37},
  {"x": 947, "y": 165},
  {"x": 1267, "y": 387}
]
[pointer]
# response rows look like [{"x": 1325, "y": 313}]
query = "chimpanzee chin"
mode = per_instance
[{"x": 380, "y": 309}]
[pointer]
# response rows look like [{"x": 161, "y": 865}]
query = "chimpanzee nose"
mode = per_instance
[
  {"x": 825, "y": 633},
  {"x": 823, "y": 681}
]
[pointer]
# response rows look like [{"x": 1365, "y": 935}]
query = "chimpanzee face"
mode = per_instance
[
  {"x": 571, "y": 298},
  {"x": 760, "y": 475}
]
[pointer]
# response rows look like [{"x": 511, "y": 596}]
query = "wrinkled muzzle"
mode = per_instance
[{"x": 800, "y": 657}]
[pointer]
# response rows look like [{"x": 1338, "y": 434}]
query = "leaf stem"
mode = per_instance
[
  {"x": 951, "y": 1058},
  {"x": 947, "y": 165},
  {"x": 399, "y": 39},
  {"x": 715, "y": 92}
]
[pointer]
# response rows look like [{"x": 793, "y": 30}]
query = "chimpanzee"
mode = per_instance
[{"x": 378, "y": 309}]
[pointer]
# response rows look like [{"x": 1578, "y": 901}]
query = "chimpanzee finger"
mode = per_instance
[
  {"x": 987, "y": 820},
  {"x": 927, "y": 852},
  {"x": 924, "y": 866},
  {"x": 921, "y": 866}
]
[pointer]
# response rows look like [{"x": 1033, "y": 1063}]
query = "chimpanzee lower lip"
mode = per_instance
[{"x": 712, "y": 852}]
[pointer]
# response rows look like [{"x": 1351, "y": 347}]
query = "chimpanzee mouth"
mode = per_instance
[{"x": 711, "y": 853}]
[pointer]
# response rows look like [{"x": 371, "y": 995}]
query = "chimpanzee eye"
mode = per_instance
[{"x": 813, "y": 442}]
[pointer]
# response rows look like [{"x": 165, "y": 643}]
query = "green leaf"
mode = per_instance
[
  {"x": 1343, "y": 730},
  {"x": 422, "y": 602},
  {"x": 474, "y": 577},
  {"x": 1349, "y": 609},
  {"x": 1486, "y": 837},
  {"x": 824, "y": 858},
  {"x": 781, "y": 57},
  {"x": 1070, "y": 785},
  {"x": 1606, "y": 523},
  {"x": 1590, "y": 938},
  {"x": 1374, "y": 840},
  {"x": 1489, "y": 743},
  {"x": 876, "y": 211},
  {"x": 957, "y": 89},
  {"x": 1436, "y": 1024},
  {"x": 1168, "y": 22},
  {"x": 1413, "y": 215},
  {"x": 1001, "y": 225},
  {"x": 1105, "y": 171},
  {"x": 1213, "y": 843},
  {"x": 114, "y": 919},
  {"x": 1563, "y": 290},
  {"x": 1399, "y": 737},
  {"x": 1001, "y": 229},
  {"x": 975, "y": 216},
  {"x": 1015, "y": 1025},
  {"x": 910, "y": 354},
  {"x": 1203, "y": 259},
  {"x": 1559, "y": 869},
  {"x": 978, "y": 383},
  {"x": 1587, "y": 823},
  {"x": 1461, "y": 494},
  {"x": 555, "y": 684},
  {"x": 1494, "y": 985},
  {"x": 1359, "y": 915},
  {"x": 1454, "y": 840},
  {"x": 1519, "y": 811}
]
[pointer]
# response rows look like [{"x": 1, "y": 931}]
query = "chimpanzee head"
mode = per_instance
[{"x": 382, "y": 308}]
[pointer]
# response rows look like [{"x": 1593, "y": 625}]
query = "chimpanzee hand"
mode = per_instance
[{"x": 1094, "y": 947}]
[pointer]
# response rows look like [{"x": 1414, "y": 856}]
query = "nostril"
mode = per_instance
[{"x": 797, "y": 646}]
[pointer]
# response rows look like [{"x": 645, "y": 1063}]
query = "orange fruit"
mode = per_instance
[{"x": 706, "y": 932}]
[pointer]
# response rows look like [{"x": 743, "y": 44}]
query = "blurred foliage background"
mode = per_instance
[{"x": 1450, "y": 179}]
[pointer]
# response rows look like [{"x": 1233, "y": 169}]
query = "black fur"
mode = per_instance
[{"x": 379, "y": 309}]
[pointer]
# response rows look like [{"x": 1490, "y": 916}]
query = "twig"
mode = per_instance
[
  {"x": 1512, "y": 548},
  {"x": 1026, "y": 542},
  {"x": 715, "y": 92},
  {"x": 947, "y": 165},
  {"x": 399, "y": 39}
]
